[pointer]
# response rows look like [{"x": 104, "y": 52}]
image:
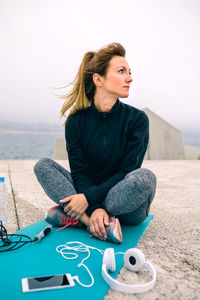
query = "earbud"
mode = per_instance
[{"x": 134, "y": 260}]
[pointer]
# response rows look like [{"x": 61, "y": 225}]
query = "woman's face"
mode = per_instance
[{"x": 118, "y": 78}]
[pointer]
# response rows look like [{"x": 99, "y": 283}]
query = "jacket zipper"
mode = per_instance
[{"x": 104, "y": 132}]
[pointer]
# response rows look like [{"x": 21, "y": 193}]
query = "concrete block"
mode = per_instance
[
  {"x": 29, "y": 211},
  {"x": 60, "y": 152},
  {"x": 192, "y": 152},
  {"x": 30, "y": 199},
  {"x": 3, "y": 167},
  {"x": 20, "y": 164},
  {"x": 165, "y": 142},
  {"x": 11, "y": 225}
]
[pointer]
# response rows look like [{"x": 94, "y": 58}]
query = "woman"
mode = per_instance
[{"x": 106, "y": 141}]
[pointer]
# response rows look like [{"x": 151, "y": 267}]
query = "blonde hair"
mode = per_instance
[{"x": 82, "y": 94}]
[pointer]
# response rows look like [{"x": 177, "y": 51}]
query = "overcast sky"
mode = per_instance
[{"x": 43, "y": 42}]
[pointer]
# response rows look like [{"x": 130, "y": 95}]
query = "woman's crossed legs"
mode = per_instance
[{"x": 129, "y": 200}]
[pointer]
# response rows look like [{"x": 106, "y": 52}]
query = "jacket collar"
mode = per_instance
[{"x": 102, "y": 113}]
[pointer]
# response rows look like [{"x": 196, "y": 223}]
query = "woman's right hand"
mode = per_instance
[{"x": 98, "y": 220}]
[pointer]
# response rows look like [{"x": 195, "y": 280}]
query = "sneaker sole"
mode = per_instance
[
  {"x": 52, "y": 208},
  {"x": 48, "y": 210},
  {"x": 117, "y": 232}
]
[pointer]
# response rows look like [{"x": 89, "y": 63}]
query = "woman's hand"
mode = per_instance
[
  {"x": 77, "y": 205},
  {"x": 98, "y": 220}
]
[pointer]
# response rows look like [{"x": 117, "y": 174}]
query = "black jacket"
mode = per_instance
[{"x": 104, "y": 146}]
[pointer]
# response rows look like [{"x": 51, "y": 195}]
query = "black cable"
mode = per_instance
[{"x": 7, "y": 242}]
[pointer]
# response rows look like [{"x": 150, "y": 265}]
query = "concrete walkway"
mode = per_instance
[{"x": 171, "y": 241}]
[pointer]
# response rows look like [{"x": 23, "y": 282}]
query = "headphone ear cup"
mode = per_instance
[
  {"x": 134, "y": 259},
  {"x": 109, "y": 260}
]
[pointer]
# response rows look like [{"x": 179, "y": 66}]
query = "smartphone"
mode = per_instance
[{"x": 47, "y": 282}]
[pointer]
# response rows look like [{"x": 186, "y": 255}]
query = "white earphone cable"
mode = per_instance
[
  {"x": 136, "y": 253},
  {"x": 79, "y": 247}
]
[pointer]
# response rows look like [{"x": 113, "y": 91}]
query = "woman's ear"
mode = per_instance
[{"x": 98, "y": 79}]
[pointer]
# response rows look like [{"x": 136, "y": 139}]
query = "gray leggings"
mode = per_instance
[{"x": 129, "y": 199}]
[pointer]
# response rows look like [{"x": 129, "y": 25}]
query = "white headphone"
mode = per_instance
[{"x": 134, "y": 260}]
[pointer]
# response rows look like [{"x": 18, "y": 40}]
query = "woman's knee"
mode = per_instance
[
  {"x": 143, "y": 173},
  {"x": 41, "y": 165},
  {"x": 137, "y": 187},
  {"x": 144, "y": 178},
  {"x": 151, "y": 181}
]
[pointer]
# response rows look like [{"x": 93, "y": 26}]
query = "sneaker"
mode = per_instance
[
  {"x": 58, "y": 218},
  {"x": 114, "y": 232}
]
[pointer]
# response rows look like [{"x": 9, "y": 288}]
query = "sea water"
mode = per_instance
[{"x": 27, "y": 145}]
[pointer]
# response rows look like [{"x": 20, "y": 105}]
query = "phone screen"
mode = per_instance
[{"x": 48, "y": 282}]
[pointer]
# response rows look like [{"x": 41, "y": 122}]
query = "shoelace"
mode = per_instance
[
  {"x": 69, "y": 221},
  {"x": 110, "y": 219}
]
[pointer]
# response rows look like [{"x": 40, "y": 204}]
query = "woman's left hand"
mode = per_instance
[
  {"x": 98, "y": 220},
  {"x": 77, "y": 205}
]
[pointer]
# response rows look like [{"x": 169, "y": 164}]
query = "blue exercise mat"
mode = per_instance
[{"x": 41, "y": 259}]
